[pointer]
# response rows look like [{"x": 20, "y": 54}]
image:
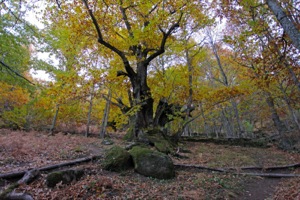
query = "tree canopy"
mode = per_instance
[{"x": 180, "y": 66}]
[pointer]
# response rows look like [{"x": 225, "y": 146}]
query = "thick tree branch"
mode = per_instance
[
  {"x": 127, "y": 24},
  {"x": 161, "y": 49},
  {"x": 124, "y": 108},
  {"x": 101, "y": 40},
  {"x": 288, "y": 26},
  {"x": 15, "y": 72},
  {"x": 121, "y": 73}
]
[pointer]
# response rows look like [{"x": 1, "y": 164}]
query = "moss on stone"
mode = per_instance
[
  {"x": 139, "y": 151},
  {"x": 65, "y": 177},
  {"x": 117, "y": 159},
  {"x": 163, "y": 146},
  {"x": 152, "y": 163}
]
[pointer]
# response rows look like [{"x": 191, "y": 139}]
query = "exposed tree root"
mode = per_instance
[
  {"x": 19, "y": 174},
  {"x": 30, "y": 175},
  {"x": 199, "y": 167},
  {"x": 10, "y": 194},
  {"x": 273, "y": 168},
  {"x": 270, "y": 175},
  {"x": 237, "y": 171}
]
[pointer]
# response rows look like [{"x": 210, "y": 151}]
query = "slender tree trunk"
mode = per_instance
[
  {"x": 286, "y": 23},
  {"x": 54, "y": 120},
  {"x": 292, "y": 112},
  {"x": 275, "y": 117},
  {"x": 187, "y": 129},
  {"x": 237, "y": 116},
  {"x": 206, "y": 129},
  {"x": 293, "y": 75},
  {"x": 227, "y": 125},
  {"x": 105, "y": 116},
  {"x": 225, "y": 83},
  {"x": 89, "y": 113}
]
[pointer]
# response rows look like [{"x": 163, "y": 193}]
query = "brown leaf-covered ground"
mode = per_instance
[{"x": 23, "y": 150}]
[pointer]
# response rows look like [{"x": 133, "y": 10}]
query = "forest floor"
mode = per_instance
[{"x": 24, "y": 150}]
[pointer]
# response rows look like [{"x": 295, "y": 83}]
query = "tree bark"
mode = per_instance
[
  {"x": 89, "y": 112},
  {"x": 54, "y": 120},
  {"x": 288, "y": 103},
  {"x": 275, "y": 117},
  {"x": 237, "y": 115},
  {"x": 29, "y": 176},
  {"x": 187, "y": 128},
  {"x": 288, "y": 25},
  {"x": 105, "y": 116}
]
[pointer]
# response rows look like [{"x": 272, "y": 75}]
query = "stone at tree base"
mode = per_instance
[
  {"x": 66, "y": 177},
  {"x": 157, "y": 138},
  {"x": 163, "y": 146},
  {"x": 117, "y": 159},
  {"x": 152, "y": 163}
]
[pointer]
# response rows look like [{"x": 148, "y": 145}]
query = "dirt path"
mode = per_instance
[{"x": 259, "y": 189}]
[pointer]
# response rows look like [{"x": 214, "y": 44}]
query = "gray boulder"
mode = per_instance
[{"x": 152, "y": 163}]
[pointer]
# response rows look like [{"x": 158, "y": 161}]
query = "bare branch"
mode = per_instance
[{"x": 285, "y": 22}]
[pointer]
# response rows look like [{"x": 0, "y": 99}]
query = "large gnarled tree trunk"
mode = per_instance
[{"x": 142, "y": 99}]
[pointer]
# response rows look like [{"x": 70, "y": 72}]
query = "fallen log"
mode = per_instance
[
  {"x": 30, "y": 175},
  {"x": 70, "y": 163},
  {"x": 10, "y": 194},
  {"x": 19, "y": 174}
]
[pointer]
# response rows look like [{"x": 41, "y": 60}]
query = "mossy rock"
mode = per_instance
[
  {"x": 117, "y": 159},
  {"x": 163, "y": 146},
  {"x": 152, "y": 163},
  {"x": 66, "y": 177}
]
